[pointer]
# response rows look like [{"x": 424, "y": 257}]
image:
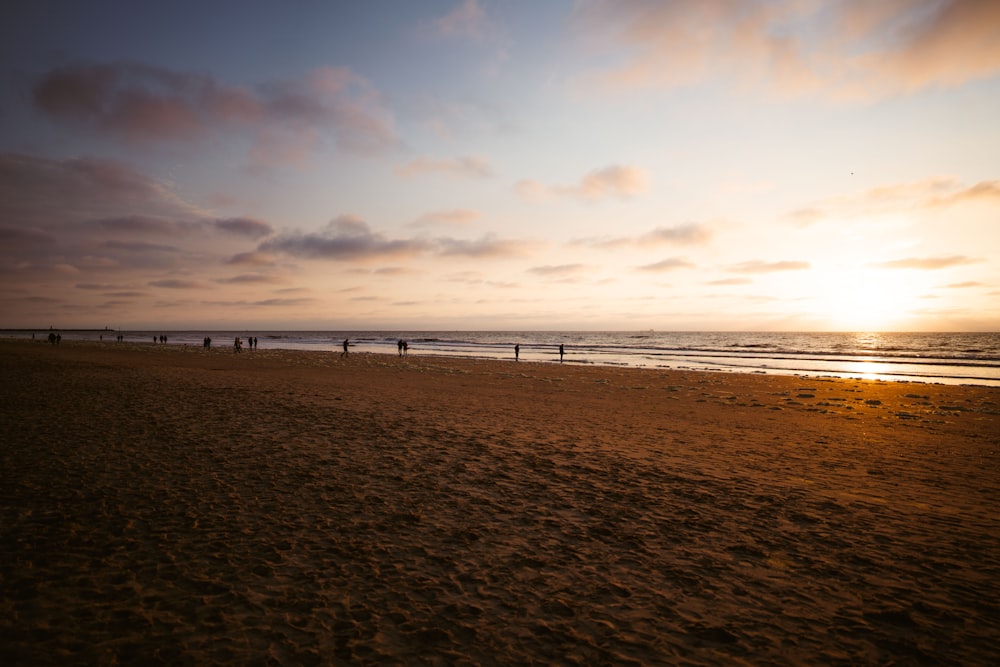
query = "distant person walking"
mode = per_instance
[
  {"x": 346, "y": 343},
  {"x": 399, "y": 347},
  {"x": 562, "y": 351},
  {"x": 517, "y": 352}
]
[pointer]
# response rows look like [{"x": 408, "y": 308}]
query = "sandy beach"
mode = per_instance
[{"x": 168, "y": 505}]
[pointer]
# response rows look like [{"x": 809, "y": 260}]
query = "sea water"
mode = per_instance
[{"x": 952, "y": 358}]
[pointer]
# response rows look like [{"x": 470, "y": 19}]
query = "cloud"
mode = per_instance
[
  {"x": 486, "y": 247},
  {"x": 932, "y": 193},
  {"x": 252, "y": 258},
  {"x": 13, "y": 240},
  {"x": 682, "y": 234},
  {"x": 248, "y": 278},
  {"x": 247, "y": 227},
  {"x": 558, "y": 271},
  {"x": 838, "y": 50},
  {"x": 757, "y": 266},
  {"x": 138, "y": 246},
  {"x": 458, "y": 216},
  {"x": 108, "y": 219},
  {"x": 174, "y": 283},
  {"x": 263, "y": 303},
  {"x": 614, "y": 181},
  {"x": 285, "y": 119},
  {"x": 671, "y": 264},
  {"x": 467, "y": 166},
  {"x": 37, "y": 191},
  {"x": 467, "y": 20},
  {"x": 983, "y": 191},
  {"x": 967, "y": 284},
  {"x": 731, "y": 281},
  {"x": 688, "y": 234},
  {"x": 804, "y": 217},
  {"x": 349, "y": 238},
  {"x": 345, "y": 238},
  {"x": 927, "y": 263},
  {"x": 144, "y": 225}
]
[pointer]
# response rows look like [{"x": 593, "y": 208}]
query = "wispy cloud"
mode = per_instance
[
  {"x": 686, "y": 234},
  {"x": 616, "y": 181},
  {"x": 252, "y": 258},
  {"x": 485, "y": 247},
  {"x": 248, "y": 279},
  {"x": 252, "y": 229},
  {"x": 927, "y": 263},
  {"x": 456, "y": 216},
  {"x": 681, "y": 234},
  {"x": 139, "y": 246},
  {"x": 466, "y": 166},
  {"x": 670, "y": 264},
  {"x": 730, "y": 281},
  {"x": 179, "y": 284},
  {"x": 468, "y": 20},
  {"x": 931, "y": 193},
  {"x": 559, "y": 270},
  {"x": 757, "y": 266},
  {"x": 831, "y": 49}
]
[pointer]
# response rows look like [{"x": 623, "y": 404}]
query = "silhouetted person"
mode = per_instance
[
  {"x": 399, "y": 347},
  {"x": 562, "y": 351},
  {"x": 406, "y": 349},
  {"x": 517, "y": 352},
  {"x": 346, "y": 342}
]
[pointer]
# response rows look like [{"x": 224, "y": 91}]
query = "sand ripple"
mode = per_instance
[{"x": 181, "y": 507}]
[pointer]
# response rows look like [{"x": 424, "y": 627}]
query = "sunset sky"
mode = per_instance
[{"x": 501, "y": 164}]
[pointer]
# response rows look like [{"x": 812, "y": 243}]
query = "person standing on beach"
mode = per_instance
[
  {"x": 517, "y": 351},
  {"x": 346, "y": 342},
  {"x": 399, "y": 347},
  {"x": 562, "y": 351}
]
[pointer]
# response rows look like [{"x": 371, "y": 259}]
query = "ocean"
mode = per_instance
[{"x": 952, "y": 358}]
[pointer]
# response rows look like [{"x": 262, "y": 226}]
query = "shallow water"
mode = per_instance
[{"x": 952, "y": 358}]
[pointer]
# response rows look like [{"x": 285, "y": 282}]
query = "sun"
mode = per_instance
[{"x": 865, "y": 300}]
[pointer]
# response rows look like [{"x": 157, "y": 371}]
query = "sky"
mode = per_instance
[{"x": 788, "y": 165}]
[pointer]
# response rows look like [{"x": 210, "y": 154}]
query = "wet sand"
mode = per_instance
[{"x": 176, "y": 506}]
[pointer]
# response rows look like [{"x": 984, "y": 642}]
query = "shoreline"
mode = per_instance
[
  {"x": 167, "y": 504},
  {"x": 705, "y": 365}
]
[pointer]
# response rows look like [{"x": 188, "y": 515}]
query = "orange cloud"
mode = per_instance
[
  {"x": 613, "y": 181},
  {"x": 466, "y": 166},
  {"x": 841, "y": 50},
  {"x": 927, "y": 263},
  {"x": 757, "y": 266},
  {"x": 670, "y": 264}
]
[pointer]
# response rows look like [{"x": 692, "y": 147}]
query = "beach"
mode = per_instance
[{"x": 171, "y": 505}]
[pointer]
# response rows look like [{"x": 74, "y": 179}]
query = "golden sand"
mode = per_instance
[{"x": 172, "y": 505}]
